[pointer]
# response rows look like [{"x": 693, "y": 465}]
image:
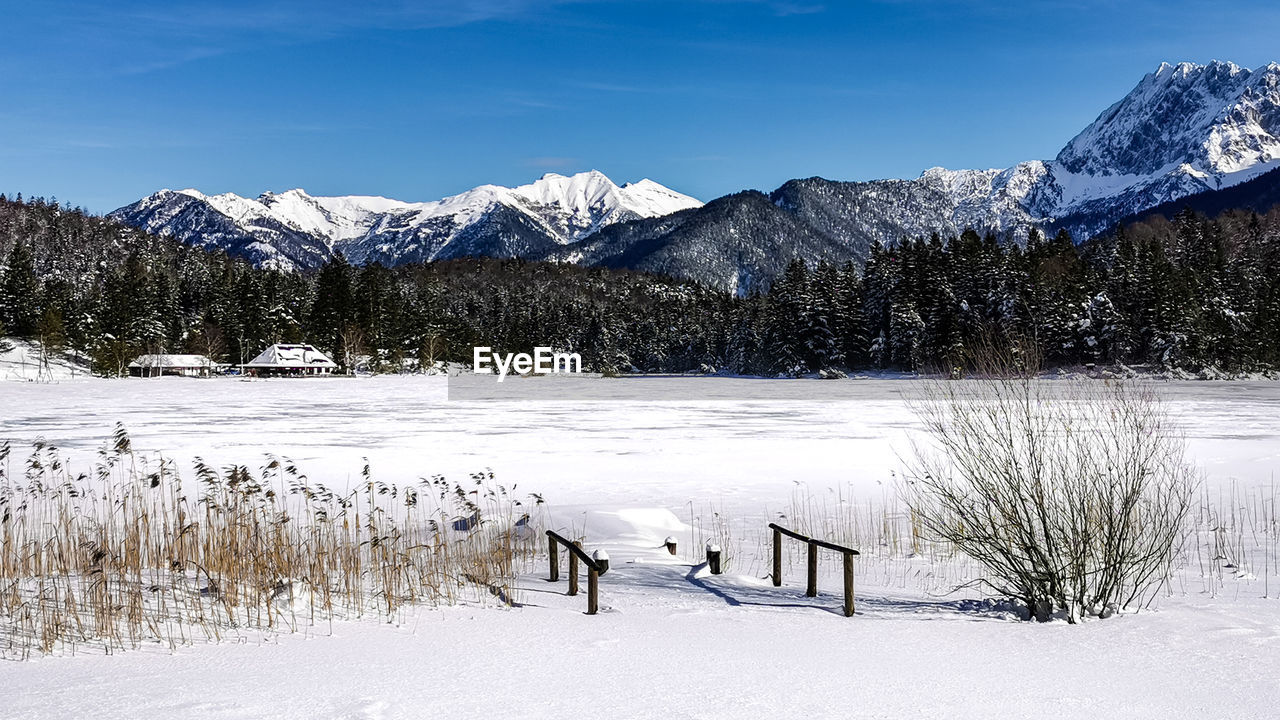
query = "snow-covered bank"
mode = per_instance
[
  {"x": 669, "y": 646},
  {"x": 24, "y": 361}
]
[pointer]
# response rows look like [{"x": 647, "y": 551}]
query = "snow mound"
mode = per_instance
[
  {"x": 634, "y": 528},
  {"x": 24, "y": 361}
]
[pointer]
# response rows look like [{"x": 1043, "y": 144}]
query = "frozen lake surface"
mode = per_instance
[{"x": 744, "y": 452}]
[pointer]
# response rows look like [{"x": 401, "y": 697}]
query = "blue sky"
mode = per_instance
[{"x": 102, "y": 103}]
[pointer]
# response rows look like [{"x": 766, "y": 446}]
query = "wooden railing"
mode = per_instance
[
  {"x": 596, "y": 566},
  {"x": 813, "y": 544}
]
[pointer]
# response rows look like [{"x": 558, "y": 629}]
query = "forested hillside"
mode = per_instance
[{"x": 1188, "y": 293}]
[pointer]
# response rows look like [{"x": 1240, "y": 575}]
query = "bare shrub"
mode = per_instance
[{"x": 1072, "y": 494}]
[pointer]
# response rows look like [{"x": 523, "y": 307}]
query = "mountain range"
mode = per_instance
[
  {"x": 1184, "y": 130},
  {"x": 294, "y": 230}
]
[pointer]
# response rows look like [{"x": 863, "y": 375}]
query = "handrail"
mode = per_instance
[
  {"x": 833, "y": 546},
  {"x": 595, "y": 567},
  {"x": 789, "y": 533},
  {"x": 813, "y": 544},
  {"x": 815, "y": 541},
  {"x": 576, "y": 549}
]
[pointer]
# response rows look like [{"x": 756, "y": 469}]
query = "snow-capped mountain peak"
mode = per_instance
[
  {"x": 582, "y": 194},
  {"x": 302, "y": 230},
  {"x": 1184, "y": 128},
  {"x": 592, "y": 193},
  {"x": 1218, "y": 118}
]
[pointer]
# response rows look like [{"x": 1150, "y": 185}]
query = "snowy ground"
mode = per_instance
[
  {"x": 668, "y": 648},
  {"x": 670, "y": 641},
  {"x": 23, "y": 361}
]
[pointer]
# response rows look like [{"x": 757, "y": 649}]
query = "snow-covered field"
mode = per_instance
[{"x": 670, "y": 641}]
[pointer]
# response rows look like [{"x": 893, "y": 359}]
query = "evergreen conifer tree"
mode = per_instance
[{"x": 20, "y": 305}]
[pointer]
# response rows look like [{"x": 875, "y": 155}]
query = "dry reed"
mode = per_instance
[{"x": 131, "y": 554}]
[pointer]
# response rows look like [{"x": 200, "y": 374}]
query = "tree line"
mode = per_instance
[{"x": 1183, "y": 293}]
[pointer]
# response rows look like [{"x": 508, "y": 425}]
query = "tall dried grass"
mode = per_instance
[{"x": 131, "y": 553}]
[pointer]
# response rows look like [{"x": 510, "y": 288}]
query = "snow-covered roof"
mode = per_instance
[
  {"x": 291, "y": 356},
  {"x": 172, "y": 361}
]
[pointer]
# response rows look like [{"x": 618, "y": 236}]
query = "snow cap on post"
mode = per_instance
[
  {"x": 713, "y": 558},
  {"x": 602, "y": 560}
]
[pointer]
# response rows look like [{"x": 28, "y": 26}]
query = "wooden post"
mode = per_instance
[
  {"x": 554, "y": 551},
  {"x": 848, "y": 584},
  {"x": 670, "y": 544},
  {"x": 573, "y": 570},
  {"x": 777, "y": 557},
  {"x": 713, "y": 557},
  {"x": 593, "y": 591},
  {"x": 601, "y": 559},
  {"x": 812, "y": 589}
]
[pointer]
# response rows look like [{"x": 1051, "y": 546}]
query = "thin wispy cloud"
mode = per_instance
[
  {"x": 780, "y": 9},
  {"x": 133, "y": 37},
  {"x": 702, "y": 159},
  {"x": 611, "y": 87},
  {"x": 785, "y": 9},
  {"x": 550, "y": 162},
  {"x": 320, "y": 17},
  {"x": 520, "y": 101},
  {"x": 589, "y": 86},
  {"x": 163, "y": 63}
]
